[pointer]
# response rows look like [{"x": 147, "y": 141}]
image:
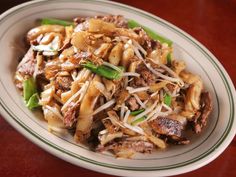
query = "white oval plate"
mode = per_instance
[{"x": 176, "y": 159}]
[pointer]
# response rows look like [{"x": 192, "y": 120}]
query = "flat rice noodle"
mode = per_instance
[
  {"x": 157, "y": 86},
  {"x": 53, "y": 120},
  {"x": 155, "y": 140},
  {"x": 85, "y": 119}
]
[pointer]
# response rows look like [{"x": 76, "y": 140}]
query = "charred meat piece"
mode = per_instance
[
  {"x": 139, "y": 82},
  {"x": 118, "y": 20},
  {"x": 79, "y": 20},
  {"x": 148, "y": 43},
  {"x": 132, "y": 104},
  {"x": 206, "y": 104},
  {"x": 146, "y": 78},
  {"x": 166, "y": 126},
  {"x": 63, "y": 83},
  {"x": 137, "y": 146},
  {"x": 200, "y": 118},
  {"x": 27, "y": 64},
  {"x": 41, "y": 81}
]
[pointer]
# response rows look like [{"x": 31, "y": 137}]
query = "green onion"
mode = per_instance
[
  {"x": 51, "y": 21},
  {"x": 102, "y": 70},
  {"x": 108, "y": 72},
  {"x": 169, "y": 59},
  {"x": 29, "y": 88},
  {"x": 89, "y": 65},
  {"x": 138, "y": 120},
  {"x": 167, "y": 99},
  {"x": 134, "y": 113},
  {"x": 122, "y": 68},
  {"x": 151, "y": 34},
  {"x": 30, "y": 93},
  {"x": 33, "y": 101}
]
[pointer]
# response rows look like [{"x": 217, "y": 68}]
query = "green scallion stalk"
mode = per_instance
[
  {"x": 134, "y": 113},
  {"x": 169, "y": 59},
  {"x": 138, "y": 120},
  {"x": 167, "y": 99},
  {"x": 29, "y": 88},
  {"x": 33, "y": 101},
  {"x": 52, "y": 21},
  {"x": 102, "y": 70}
]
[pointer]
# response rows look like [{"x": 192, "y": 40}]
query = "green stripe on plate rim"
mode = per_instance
[{"x": 176, "y": 30}]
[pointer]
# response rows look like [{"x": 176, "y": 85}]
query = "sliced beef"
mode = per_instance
[
  {"x": 118, "y": 20},
  {"x": 79, "y": 20},
  {"x": 206, "y": 105},
  {"x": 168, "y": 127},
  {"x": 146, "y": 78},
  {"x": 147, "y": 43},
  {"x": 63, "y": 83},
  {"x": 27, "y": 64},
  {"x": 138, "y": 82},
  {"x": 41, "y": 81},
  {"x": 132, "y": 104},
  {"x": 40, "y": 77},
  {"x": 196, "y": 123},
  {"x": 200, "y": 118},
  {"x": 171, "y": 87},
  {"x": 137, "y": 146}
]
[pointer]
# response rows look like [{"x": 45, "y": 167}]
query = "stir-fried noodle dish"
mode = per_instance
[{"x": 112, "y": 83}]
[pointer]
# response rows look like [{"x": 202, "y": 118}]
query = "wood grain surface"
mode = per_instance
[{"x": 212, "y": 22}]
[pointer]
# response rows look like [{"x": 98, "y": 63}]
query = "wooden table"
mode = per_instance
[{"x": 212, "y": 22}]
